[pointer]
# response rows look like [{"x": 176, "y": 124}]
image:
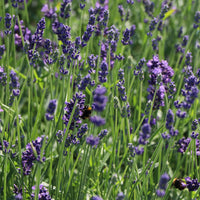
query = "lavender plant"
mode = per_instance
[{"x": 99, "y": 99}]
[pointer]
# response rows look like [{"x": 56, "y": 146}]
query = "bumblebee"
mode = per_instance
[
  {"x": 86, "y": 112},
  {"x": 179, "y": 184}
]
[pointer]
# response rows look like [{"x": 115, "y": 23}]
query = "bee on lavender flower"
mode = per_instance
[
  {"x": 179, "y": 184},
  {"x": 86, "y": 112}
]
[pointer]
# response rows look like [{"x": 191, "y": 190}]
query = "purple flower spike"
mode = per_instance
[
  {"x": 100, "y": 100},
  {"x": 97, "y": 120},
  {"x": 93, "y": 141},
  {"x": 192, "y": 184}
]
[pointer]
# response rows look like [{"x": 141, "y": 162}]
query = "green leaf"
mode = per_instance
[{"x": 169, "y": 13}]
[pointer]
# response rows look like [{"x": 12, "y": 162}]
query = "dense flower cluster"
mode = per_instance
[
  {"x": 192, "y": 184},
  {"x": 127, "y": 34},
  {"x": 43, "y": 193},
  {"x": 160, "y": 74},
  {"x": 25, "y": 32},
  {"x": 32, "y": 154},
  {"x": 101, "y": 61},
  {"x": 78, "y": 100},
  {"x": 49, "y": 13},
  {"x": 184, "y": 142},
  {"x": 65, "y": 9}
]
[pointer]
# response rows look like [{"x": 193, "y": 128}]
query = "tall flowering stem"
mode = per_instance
[{"x": 62, "y": 150}]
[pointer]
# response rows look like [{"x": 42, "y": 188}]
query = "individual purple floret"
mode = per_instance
[
  {"x": 16, "y": 92},
  {"x": 93, "y": 141},
  {"x": 155, "y": 42},
  {"x": 180, "y": 32},
  {"x": 65, "y": 9},
  {"x": 126, "y": 37},
  {"x": 104, "y": 71},
  {"x": 59, "y": 136},
  {"x": 92, "y": 61},
  {"x": 49, "y": 13},
  {"x": 126, "y": 110},
  {"x": 192, "y": 184},
  {"x": 14, "y": 80},
  {"x": 99, "y": 99},
  {"x": 48, "y": 46},
  {"x": 87, "y": 35},
  {"x": 14, "y": 86},
  {"x": 38, "y": 35},
  {"x": 188, "y": 58},
  {"x": 183, "y": 144},
  {"x": 97, "y": 120},
  {"x": 92, "y": 19},
  {"x": 79, "y": 99},
  {"x": 162, "y": 185},
  {"x": 84, "y": 82},
  {"x": 144, "y": 134},
  {"x": 25, "y": 32},
  {"x": 32, "y": 154},
  {"x": 120, "y": 196},
  {"x": 120, "y": 85},
  {"x": 169, "y": 119},
  {"x": 196, "y": 19},
  {"x": 153, "y": 23},
  {"x": 194, "y": 136},
  {"x": 121, "y": 12},
  {"x": 102, "y": 19},
  {"x": 43, "y": 193},
  {"x": 172, "y": 89},
  {"x": 62, "y": 31},
  {"x": 3, "y": 76},
  {"x": 96, "y": 198},
  {"x": 194, "y": 124},
  {"x": 2, "y": 49},
  {"x": 149, "y": 6},
  {"x": 102, "y": 134},
  {"x": 71, "y": 139},
  {"x": 130, "y": 2},
  {"x": 51, "y": 110},
  {"x": 1, "y": 110},
  {"x": 164, "y": 9},
  {"x": 4, "y": 146},
  {"x": 8, "y": 19},
  {"x": 82, "y": 130},
  {"x": 131, "y": 149},
  {"x": 160, "y": 193},
  {"x": 18, "y": 192},
  {"x": 163, "y": 181},
  {"x": 197, "y": 146},
  {"x": 185, "y": 40}
]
